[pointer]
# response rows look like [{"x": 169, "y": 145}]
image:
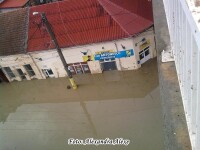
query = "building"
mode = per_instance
[
  {"x": 10, "y": 5},
  {"x": 95, "y": 36},
  {"x": 14, "y": 62}
]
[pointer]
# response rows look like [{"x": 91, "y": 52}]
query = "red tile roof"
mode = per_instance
[
  {"x": 131, "y": 23},
  {"x": 13, "y": 3},
  {"x": 141, "y": 7},
  {"x": 13, "y": 32},
  {"x": 78, "y": 22}
]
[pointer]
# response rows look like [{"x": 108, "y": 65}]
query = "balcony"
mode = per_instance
[{"x": 183, "y": 19}]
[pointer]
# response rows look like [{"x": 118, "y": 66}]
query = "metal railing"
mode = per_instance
[{"x": 183, "y": 18}]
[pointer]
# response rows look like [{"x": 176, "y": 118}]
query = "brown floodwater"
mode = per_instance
[{"x": 44, "y": 114}]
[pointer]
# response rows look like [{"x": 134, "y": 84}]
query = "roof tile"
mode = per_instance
[
  {"x": 13, "y": 32},
  {"x": 74, "y": 23},
  {"x": 13, "y": 3}
]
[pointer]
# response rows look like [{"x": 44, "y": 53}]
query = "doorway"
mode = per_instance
[
  {"x": 21, "y": 74},
  {"x": 3, "y": 78},
  {"x": 108, "y": 65}
]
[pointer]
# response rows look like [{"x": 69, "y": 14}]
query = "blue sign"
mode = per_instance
[{"x": 112, "y": 55}]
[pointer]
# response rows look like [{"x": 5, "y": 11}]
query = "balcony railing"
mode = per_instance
[{"x": 183, "y": 18}]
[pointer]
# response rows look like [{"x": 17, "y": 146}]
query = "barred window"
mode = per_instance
[
  {"x": 9, "y": 72},
  {"x": 29, "y": 70}
]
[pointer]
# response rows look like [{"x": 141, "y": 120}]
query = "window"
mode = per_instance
[
  {"x": 144, "y": 53},
  {"x": 29, "y": 69},
  {"x": 50, "y": 71},
  {"x": 9, "y": 72},
  {"x": 141, "y": 56},
  {"x": 147, "y": 52},
  {"x": 21, "y": 74},
  {"x": 71, "y": 69},
  {"x": 141, "y": 52},
  {"x": 79, "y": 68},
  {"x": 86, "y": 68}
]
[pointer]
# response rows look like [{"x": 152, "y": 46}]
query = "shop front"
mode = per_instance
[
  {"x": 108, "y": 64},
  {"x": 79, "y": 68},
  {"x": 107, "y": 58}
]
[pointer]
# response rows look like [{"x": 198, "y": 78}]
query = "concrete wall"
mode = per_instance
[
  {"x": 49, "y": 60},
  {"x": 18, "y": 62},
  {"x": 176, "y": 136},
  {"x": 95, "y": 67}
]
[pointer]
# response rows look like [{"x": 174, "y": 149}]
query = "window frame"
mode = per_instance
[
  {"x": 30, "y": 70},
  {"x": 9, "y": 72}
]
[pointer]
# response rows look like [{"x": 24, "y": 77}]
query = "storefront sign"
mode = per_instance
[
  {"x": 112, "y": 55},
  {"x": 104, "y": 55},
  {"x": 145, "y": 44},
  {"x": 88, "y": 58},
  {"x": 125, "y": 53}
]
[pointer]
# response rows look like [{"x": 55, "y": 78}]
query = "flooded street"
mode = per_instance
[{"x": 44, "y": 114}]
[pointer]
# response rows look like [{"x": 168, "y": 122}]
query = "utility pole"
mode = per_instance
[{"x": 50, "y": 31}]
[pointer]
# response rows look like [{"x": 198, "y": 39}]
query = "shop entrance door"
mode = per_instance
[
  {"x": 108, "y": 65},
  {"x": 3, "y": 78},
  {"x": 21, "y": 74}
]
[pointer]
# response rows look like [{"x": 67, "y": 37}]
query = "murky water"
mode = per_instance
[{"x": 43, "y": 114}]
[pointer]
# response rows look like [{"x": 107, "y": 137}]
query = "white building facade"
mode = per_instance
[
  {"x": 19, "y": 67},
  {"x": 122, "y": 54},
  {"x": 103, "y": 56}
]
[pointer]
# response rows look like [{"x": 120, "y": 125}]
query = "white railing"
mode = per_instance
[{"x": 183, "y": 20}]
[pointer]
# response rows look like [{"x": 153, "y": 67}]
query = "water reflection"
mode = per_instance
[{"x": 36, "y": 115}]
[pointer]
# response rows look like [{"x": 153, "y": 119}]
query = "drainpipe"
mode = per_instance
[{"x": 117, "y": 52}]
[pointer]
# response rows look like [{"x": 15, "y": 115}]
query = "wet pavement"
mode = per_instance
[{"x": 43, "y": 114}]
